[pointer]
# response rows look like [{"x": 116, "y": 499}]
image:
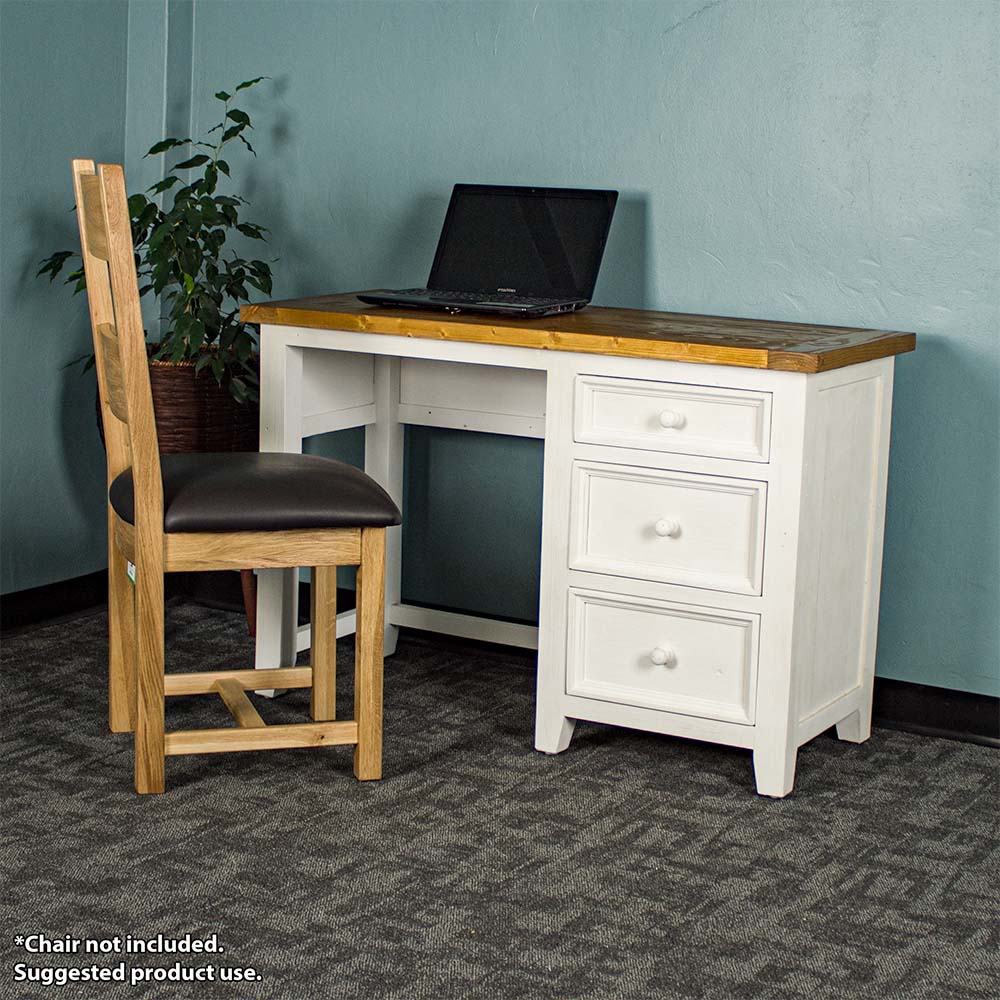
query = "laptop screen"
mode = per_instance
[{"x": 545, "y": 242}]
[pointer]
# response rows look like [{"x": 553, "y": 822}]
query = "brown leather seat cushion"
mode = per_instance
[{"x": 246, "y": 491}]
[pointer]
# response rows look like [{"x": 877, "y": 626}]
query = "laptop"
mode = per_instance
[{"x": 513, "y": 251}]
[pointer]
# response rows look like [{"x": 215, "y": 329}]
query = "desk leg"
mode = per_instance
[
  {"x": 857, "y": 727},
  {"x": 784, "y": 635},
  {"x": 775, "y": 747},
  {"x": 553, "y": 729},
  {"x": 774, "y": 769},
  {"x": 280, "y": 430},
  {"x": 277, "y": 617},
  {"x": 384, "y": 463}
]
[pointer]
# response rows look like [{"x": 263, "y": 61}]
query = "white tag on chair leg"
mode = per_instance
[{"x": 131, "y": 572}]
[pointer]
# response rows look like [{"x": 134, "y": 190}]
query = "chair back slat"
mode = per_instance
[
  {"x": 93, "y": 211},
  {"x": 114, "y": 378},
  {"x": 120, "y": 343},
  {"x": 116, "y": 438}
]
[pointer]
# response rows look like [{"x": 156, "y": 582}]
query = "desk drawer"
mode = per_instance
[
  {"x": 651, "y": 654},
  {"x": 665, "y": 416},
  {"x": 671, "y": 527}
]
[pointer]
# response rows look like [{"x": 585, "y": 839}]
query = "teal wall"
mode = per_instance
[
  {"x": 62, "y": 94},
  {"x": 833, "y": 162}
]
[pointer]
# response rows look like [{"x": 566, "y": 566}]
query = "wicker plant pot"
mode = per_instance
[{"x": 194, "y": 413}]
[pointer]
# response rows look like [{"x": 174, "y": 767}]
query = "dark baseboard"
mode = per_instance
[
  {"x": 83, "y": 595},
  {"x": 915, "y": 708},
  {"x": 69, "y": 599},
  {"x": 53, "y": 602},
  {"x": 934, "y": 711}
]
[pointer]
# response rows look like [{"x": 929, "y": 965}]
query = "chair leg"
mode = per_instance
[
  {"x": 323, "y": 591},
  {"x": 368, "y": 646},
  {"x": 248, "y": 583},
  {"x": 121, "y": 644},
  {"x": 149, "y": 742}
]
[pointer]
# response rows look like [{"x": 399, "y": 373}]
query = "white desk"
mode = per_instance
[{"x": 713, "y": 503}]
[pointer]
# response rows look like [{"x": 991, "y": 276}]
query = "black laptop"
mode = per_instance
[{"x": 516, "y": 251}]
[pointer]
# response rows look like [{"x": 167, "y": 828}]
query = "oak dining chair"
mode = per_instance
[{"x": 192, "y": 512}]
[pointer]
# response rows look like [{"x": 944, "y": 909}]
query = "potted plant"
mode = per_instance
[{"x": 203, "y": 368}]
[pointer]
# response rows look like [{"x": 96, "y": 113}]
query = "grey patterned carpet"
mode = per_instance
[{"x": 631, "y": 867}]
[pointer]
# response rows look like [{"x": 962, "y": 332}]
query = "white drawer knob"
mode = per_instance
[
  {"x": 663, "y": 657},
  {"x": 667, "y": 527},
  {"x": 670, "y": 418}
]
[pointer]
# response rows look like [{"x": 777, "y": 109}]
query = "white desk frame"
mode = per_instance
[{"x": 804, "y": 678}]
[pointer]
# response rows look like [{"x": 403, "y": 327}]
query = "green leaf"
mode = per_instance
[
  {"x": 231, "y": 133},
  {"x": 54, "y": 264},
  {"x": 243, "y": 348},
  {"x": 250, "y": 83},
  {"x": 209, "y": 213},
  {"x": 164, "y": 144},
  {"x": 262, "y": 271},
  {"x": 179, "y": 350},
  {"x": 160, "y": 280},
  {"x": 248, "y": 146},
  {"x": 160, "y": 186},
  {"x": 215, "y": 239},
  {"x": 211, "y": 179},
  {"x": 194, "y": 161},
  {"x": 158, "y": 237},
  {"x": 196, "y": 336},
  {"x": 241, "y": 117},
  {"x": 223, "y": 96},
  {"x": 223, "y": 166},
  {"x": 189, "y": 259},
  {"x": 208, "y": 311},
  {"x": 145, "y": 219},
  {"x": 188, "y": 283},
  {"x": 79, "y": 360}
]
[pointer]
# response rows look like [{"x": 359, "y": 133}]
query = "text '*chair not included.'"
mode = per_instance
[{"x": 193, "y": 512}]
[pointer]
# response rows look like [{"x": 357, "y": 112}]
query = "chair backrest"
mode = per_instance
[{"x": 119, "y": 342}]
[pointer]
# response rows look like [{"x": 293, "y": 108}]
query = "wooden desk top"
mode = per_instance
[{"x": 629, "y": 333}]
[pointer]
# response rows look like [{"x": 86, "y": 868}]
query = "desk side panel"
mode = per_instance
[
  {"x": 338, "y": 390},
  {"x": 486, "y": 398},
  {"x": 848, "y": 441}
]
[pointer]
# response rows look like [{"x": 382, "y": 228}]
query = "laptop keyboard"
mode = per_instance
[{"x": 473, "y": 297}]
